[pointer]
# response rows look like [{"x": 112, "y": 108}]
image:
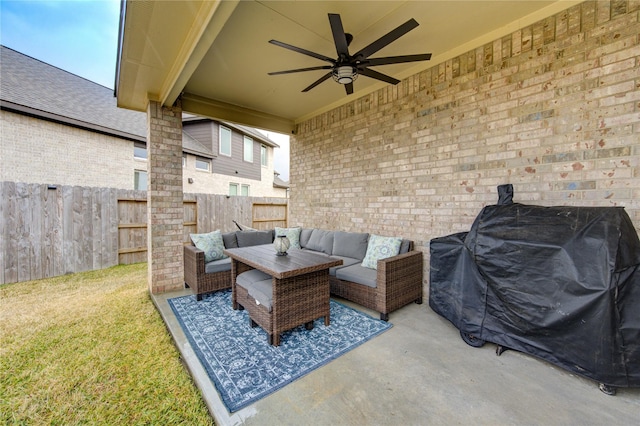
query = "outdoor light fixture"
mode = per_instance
[{"x": 345, "y": 74}]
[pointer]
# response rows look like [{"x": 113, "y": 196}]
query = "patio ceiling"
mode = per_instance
[{"x": 217, "y": 55}]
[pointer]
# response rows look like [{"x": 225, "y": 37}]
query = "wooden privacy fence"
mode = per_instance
[
  {"x": 202, "y": 213},
  {"x": 46, "y": 230}
]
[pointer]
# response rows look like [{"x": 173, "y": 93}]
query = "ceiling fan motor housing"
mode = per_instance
[{"x": 345, "y": 74}]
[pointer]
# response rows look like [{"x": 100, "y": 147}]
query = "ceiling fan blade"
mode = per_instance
[
  {"x": 339, "y": 37},
  {"x": 377, "y": 75},
  {"x": 303, "y": 51},
  {"x": 318, "y": 81},
  {"x": 386, "y": 39},
  {"x": 348, "y": 88},
  {"x": 396, "y": 59},
  {"x": 323, "y": 67}
]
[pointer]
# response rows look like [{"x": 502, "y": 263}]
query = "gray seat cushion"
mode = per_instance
[
  {"x": 350, "y": 244},
  {"x": 404, "y": 246},
  {"x": 321, "y": 240},
  {"x": 220, "y": 265},
  {"x": 358, "y": 274},
  {"x": 249, "y": 277},
  {"x": 261, "y": 291},
  {"x": 254, "y": 238},
  {"x": 346, "y": 261}
]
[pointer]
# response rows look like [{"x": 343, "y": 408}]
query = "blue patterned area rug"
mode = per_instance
[{"x": 238, "y": 358}]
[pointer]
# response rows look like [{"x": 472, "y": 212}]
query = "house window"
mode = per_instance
[
  {"x": 243, "y": 189},
  {"x": 203, "y": 164},
  {"x": 140, "y": 151},
  {"x": 140, "y": 180},
  {"x": 263, "y": 155},
  {"x": 225, "y": 141},
  {"x": 248, "y": 149}
]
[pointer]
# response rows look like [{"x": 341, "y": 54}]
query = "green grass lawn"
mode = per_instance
[{"x": 91, "y": 348}]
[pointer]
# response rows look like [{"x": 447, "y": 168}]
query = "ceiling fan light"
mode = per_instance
[{"x": 345, "y": 74}]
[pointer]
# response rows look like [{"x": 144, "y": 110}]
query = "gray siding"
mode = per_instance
[
  {"x": 203, "y": 133},
  {"x": 235, "y": 165},
  {"x": 208, "y": 133}
]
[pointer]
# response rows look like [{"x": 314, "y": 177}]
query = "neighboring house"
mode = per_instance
[
  {"x": 58, "y": 128},
  {"x": 241, "y": 159}
]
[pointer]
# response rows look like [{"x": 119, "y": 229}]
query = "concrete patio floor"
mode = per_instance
[{"x": 421, "y": 372}]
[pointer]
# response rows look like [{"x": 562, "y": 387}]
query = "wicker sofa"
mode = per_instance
[{"x": 395, "y": 282}]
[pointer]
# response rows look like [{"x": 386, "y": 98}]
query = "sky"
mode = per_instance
[{"x": 81, "y": 37}]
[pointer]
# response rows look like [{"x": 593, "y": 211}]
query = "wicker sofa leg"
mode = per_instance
[{"x": 384, "y": 317}]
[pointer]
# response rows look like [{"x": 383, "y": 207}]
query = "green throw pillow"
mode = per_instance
[
  {"x": 211, "y": 244},
  {"x": 293, "y": 234},
  {"x": 380, "y": 248}
]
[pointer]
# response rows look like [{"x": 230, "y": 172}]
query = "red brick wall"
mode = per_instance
[{"x": 553, "y": 108}]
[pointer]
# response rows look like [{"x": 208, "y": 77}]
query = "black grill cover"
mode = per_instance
[{"x": 559, "y": 283}]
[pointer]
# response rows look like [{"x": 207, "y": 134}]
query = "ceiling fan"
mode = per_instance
[{"x": 346, "y": 68}]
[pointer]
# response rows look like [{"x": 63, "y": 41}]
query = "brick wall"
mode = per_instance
[
  {"x": 165, "y": 211},
  {"x": 553, "y": 108},
  {"x": 40, "y": 151}
]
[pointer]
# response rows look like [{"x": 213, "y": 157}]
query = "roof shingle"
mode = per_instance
[{"x": 34, "y": 85}]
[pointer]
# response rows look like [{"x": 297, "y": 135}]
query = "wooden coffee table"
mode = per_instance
[{"x": 300, "y": 287}]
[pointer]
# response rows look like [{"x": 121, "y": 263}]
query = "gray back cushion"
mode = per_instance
[
  {"x": 254, "y": 238},
  {"x": 350, "y": 244},
  {"x": 406, "y": 246},
  {"x": 230, "y": 240},
  {"x": 305, "y": 234},
  {"x": 321, "y": 240}
]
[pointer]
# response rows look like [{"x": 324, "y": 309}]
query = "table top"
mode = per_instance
[{"x": 297, "y": 262}]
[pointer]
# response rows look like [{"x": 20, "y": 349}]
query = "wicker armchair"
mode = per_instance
[
  {"x": 195, "y": 276},
  {"x": 399, "y": 282}
]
